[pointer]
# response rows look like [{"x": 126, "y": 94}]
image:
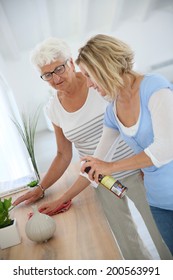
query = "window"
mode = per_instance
[{"x": 16, "y": 169}]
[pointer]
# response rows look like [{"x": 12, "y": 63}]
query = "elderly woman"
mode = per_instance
[
  {"x": 141, "y": 112},
  {"x": 77, "y": 116}
]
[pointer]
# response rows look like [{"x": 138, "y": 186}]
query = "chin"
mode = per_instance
[
  {"x": 102, "y": 93},
  {"x": 107, "y": 98},
  {"x": 59, "y": 86},
  {"x": 99, "y": 91}
]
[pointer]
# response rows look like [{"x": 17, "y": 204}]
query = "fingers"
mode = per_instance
[
  {"x": 21, "y": 199},
  {"x": 87, "y": 162},
  {"x": 54, "y": 208},
  {"x": 28, "y": 197},
  {"x": 43, "y": 208},
  {"x": 89, "y": 166},
  {"x": 95, "y": 168},
  {"x": 44, "y": 211},
  {"x": 46, "y": 208},
  {"x": 47, "y": 211},
  {"x": 31, "y": 200},
  {"x": 96, "y": 177}
]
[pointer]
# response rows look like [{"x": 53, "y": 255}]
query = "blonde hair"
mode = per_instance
[
  {"x": 49, "y": 51},
  {"x": 107, "y": 59}
]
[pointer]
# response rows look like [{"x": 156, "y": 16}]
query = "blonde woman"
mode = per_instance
[{"x": 141, "y": 112}]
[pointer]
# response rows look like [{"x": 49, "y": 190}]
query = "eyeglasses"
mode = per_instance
[{"x": 59, "y": 70}]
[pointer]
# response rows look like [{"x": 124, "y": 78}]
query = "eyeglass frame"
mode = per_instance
[{"x": 51, "y": 73}]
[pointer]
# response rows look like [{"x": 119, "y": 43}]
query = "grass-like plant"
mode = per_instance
[
  {"x": 5, "y": 208},
  {"x": 27, "y": 130}
]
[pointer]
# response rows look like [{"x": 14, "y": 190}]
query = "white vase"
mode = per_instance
[
  {"x": 40, "y": 227},
  {"x": 9, "y": 236}
]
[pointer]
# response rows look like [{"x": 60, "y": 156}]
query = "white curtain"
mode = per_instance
[{"x": 16, "y": 169}]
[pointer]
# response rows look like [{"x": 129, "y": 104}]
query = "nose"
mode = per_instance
[
  {"x": 56, "y": 78},
  {"x": 89, "y": 83}
]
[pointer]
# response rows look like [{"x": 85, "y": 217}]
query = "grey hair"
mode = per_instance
[{"x": 49, "y": 51}]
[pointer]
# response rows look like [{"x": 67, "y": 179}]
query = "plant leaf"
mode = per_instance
[
  {"x": 4, "y": 212},
  {"x": 27, "y": 131},
  {"x": 7, "y": 203}
]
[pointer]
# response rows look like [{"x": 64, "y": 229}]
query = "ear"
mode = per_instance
[{"x": 71, "y": 64}]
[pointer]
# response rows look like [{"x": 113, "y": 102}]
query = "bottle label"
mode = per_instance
[
  {"x": 108, "y": 181},
  {"x": 113, "y": 185}
]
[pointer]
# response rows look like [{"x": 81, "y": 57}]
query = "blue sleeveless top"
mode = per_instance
[{"x": 158, "y": 181}]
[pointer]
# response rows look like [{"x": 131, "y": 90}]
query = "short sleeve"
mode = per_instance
[
  {"x": 109, "y": 117},
  {"x": 51, "y": 111}
]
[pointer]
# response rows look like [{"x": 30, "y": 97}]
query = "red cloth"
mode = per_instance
[{"x": 64, "y": 207}]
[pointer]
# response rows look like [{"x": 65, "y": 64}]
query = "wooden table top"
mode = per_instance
[{"x": 82, "y": 233}]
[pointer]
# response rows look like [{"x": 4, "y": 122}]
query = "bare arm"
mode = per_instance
[
  {"x": 79, "y": 185},
  {"x": 61, "y": 161},
  {"x": 82, "y": 182},
  {"x": 57, "y": 168}
]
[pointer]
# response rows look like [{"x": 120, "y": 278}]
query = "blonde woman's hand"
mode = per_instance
[{"x": 97, "y": 167}]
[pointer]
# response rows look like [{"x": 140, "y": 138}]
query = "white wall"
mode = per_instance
[
  {"x": 28, "y": 89},
  {"x": 151, "y": 40}
]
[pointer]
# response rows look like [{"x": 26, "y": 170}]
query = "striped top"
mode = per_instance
[{"x": 84, "y": 127}]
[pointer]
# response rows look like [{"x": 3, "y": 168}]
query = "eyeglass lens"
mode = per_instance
[{"x": 59, "y": 70}]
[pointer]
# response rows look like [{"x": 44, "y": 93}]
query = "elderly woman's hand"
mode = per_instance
[
  {"x": 29, "y": 197},
  {"x": 54, "y": 207}
]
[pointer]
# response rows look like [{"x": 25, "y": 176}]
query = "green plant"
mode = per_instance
[
  {"x": 27, "y": 130},
  {"x": 5, "y": 208}
]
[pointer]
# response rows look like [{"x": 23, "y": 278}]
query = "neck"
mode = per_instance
[
  {"x": 131, "y": 86},
  {"x": 74, "y": 98}
]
